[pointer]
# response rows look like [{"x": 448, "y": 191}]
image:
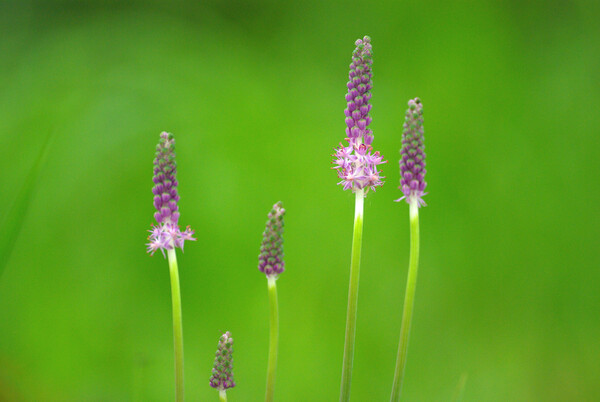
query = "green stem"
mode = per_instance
[
  {"x": 273, "y": 339},
  {"x": 223, "y": 395},
  {"x": 177, "y": 326},
  {"x": 352, "y": 297},
  {"x": 460, "y": 388},
  {"x": 409, "y": 300}
]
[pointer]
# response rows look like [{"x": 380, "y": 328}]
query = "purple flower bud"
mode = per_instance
[
  {"x": 357, "y": 169},
  {"x": 166, "y": 234},
  {"x": 222, "y": 372},
  {"x": 412, "y": 163},
  {"x": 270, "y": 259}
]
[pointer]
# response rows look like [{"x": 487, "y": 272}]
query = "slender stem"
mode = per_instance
[
  {"x": 409, "y": 299},
  {"x": 460, "y": 388},
  {"x": 352, "y": 297},
  {"x": 273, "y": 339},
  {"x": 222, "y": 395},
  {"x": 177, "y": 326}
]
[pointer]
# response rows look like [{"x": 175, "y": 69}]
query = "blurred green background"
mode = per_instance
[{"x": 509, "y": 283}]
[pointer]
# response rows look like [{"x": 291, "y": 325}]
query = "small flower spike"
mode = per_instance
[
  {"x": 355, "y": 163},
  {"x": 270, "y": 259},
  {"x": 166, "y": 235},
  {"x": 222, "y": 373},
  {"x": 412, "y": 162}
]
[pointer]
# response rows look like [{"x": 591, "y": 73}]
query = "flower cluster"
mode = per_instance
[
  {"x": 166, "y": 234},
  {"x": 222, "y": 373},
  {"x": 356, "y": 164},
  {"x": 270, "y": 259},
  {"x": 412, "y": 162}
]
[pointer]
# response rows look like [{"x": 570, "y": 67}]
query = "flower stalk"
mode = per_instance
[
  {"x": 166, "y": 236},
  {"x": 352, "y": 297},
  {"x": 271, "y": 263},
  {"x": 177, "y": 323},
  {"x": 356, "y": 166},
  {"x": 409, "y": 301},
  {"x": 273, "y": 338},
  {"x": 412, "y": 184}
]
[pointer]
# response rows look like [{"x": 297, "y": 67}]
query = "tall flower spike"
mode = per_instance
[
  {"x": 222, "y": 373},
  {"x": 412, "y": 162},
  {"x": 355, "y": 163},
  {"x": 270, "y": 259},
  {"x": 166, "y": 235}
]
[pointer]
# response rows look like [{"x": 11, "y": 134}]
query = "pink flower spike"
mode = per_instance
[
  {"x": 356, "y": 165},
  {"x": 166, "y": 235}
]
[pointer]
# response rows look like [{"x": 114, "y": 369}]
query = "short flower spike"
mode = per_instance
[
  {"x": 222, "y": 373},
  {"x": 412, "y": 162},
  {"x": 270, "y": 259}
]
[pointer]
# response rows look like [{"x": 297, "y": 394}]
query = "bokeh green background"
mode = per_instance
[{"x": 509, "y": 288}]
